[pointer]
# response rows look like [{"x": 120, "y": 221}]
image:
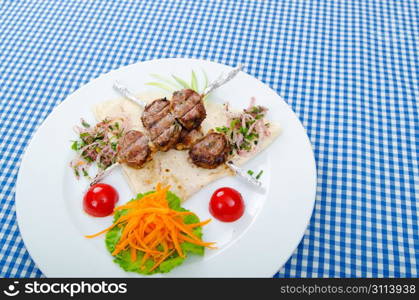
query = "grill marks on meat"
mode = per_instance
[
  {"x": 193, "y": 118},
  {"x": 134, "y": 149},
  {"x": 154, "y": 111},
  {"x": 188, "y": 108},
  {"x": 188, "y": 138},
  {"x": 164, "y": 120},
  {"x": 174, "y": 123},
  {"x": 168, "y": 138},
  {"x": 210, "y": 151},
  {"x": 161, "y": 125}
]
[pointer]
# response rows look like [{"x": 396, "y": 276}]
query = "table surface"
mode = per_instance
[{"x": 349, "y": 69}]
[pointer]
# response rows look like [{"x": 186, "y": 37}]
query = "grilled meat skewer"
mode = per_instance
[
  {"x": 164, "y": 119},
  {"x": 188, "y": 138},
  {"x": 162, "y": 127},
  {"x": 210, "y": 151},
  {"x": 169, "y": 122},
  {"x": 157, "y": 119},
  {"x": 188, "y": 108},
  {"x": 134, "y": 149},
  {"x": 175, "y": 124}
]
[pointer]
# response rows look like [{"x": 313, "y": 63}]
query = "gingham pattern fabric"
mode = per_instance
[{"x": 349, "y": 69}]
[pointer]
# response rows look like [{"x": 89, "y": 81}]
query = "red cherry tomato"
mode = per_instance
[
  {"x": 100, "y": 200},
  {"x": 226, "y": 204}
]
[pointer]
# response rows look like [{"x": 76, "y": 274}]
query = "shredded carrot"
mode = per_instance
[
  {"x": 198, "y": 224},
  {"x": 133, "y": 253},
  {"x": 152, "y": 227},
  {"x": 80, "y": 163},
  {"x": 162, "y": 260}
]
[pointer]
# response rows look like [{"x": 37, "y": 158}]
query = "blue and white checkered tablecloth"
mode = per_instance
[{"x": 349, "y": 69}]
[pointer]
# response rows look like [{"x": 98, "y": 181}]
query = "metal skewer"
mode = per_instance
[
  {"x": 124, "y": 91},
  {"x": 243, "y": 174},
  {"x": 222, "y": 79},
  {"x": 102, "y": 174}
]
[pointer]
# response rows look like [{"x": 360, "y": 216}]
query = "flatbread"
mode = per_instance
[{"x": 173, "y": 167}]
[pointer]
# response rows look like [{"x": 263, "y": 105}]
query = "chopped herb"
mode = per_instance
[
  {"x": 75, "y": 146},
  {"x": 98, "y": 138},
  {"x": 233, "y": 123},
  {"x": 84, "y": 134},
  {"x": 88, "y": 159},
  {"x": 259, "y": 174},
  {"x": 222, "y": 129},
  {"x": 250, "y": 172},
  {"x": 256, "y": 109},
  {"x": 252, "y": 136},
  {"x": 243, "y": 130},
  {"x": 85, "y": 124},
  {"x": 85, "y": 173},
  {"x": 246, "y": 146}
]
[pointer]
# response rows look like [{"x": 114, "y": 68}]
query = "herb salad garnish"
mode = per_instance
[
  {"x": 96, "y": 144},
  {"x": 246, "y": 129}
]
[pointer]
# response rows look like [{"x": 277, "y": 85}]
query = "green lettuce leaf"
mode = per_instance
[{"x": 123, "y": 259}]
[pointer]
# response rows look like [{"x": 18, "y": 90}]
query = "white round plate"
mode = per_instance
[{"x": 49, "y": 198}]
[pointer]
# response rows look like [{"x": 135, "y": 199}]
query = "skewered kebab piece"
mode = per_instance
[
  {"x": 133, "y": 149},
  {"x": 162, "y": 127},
  {"x": 188, "y": 106},
  {"x": 212, "y": 151},
  {"x": 188, "y": 138}
]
